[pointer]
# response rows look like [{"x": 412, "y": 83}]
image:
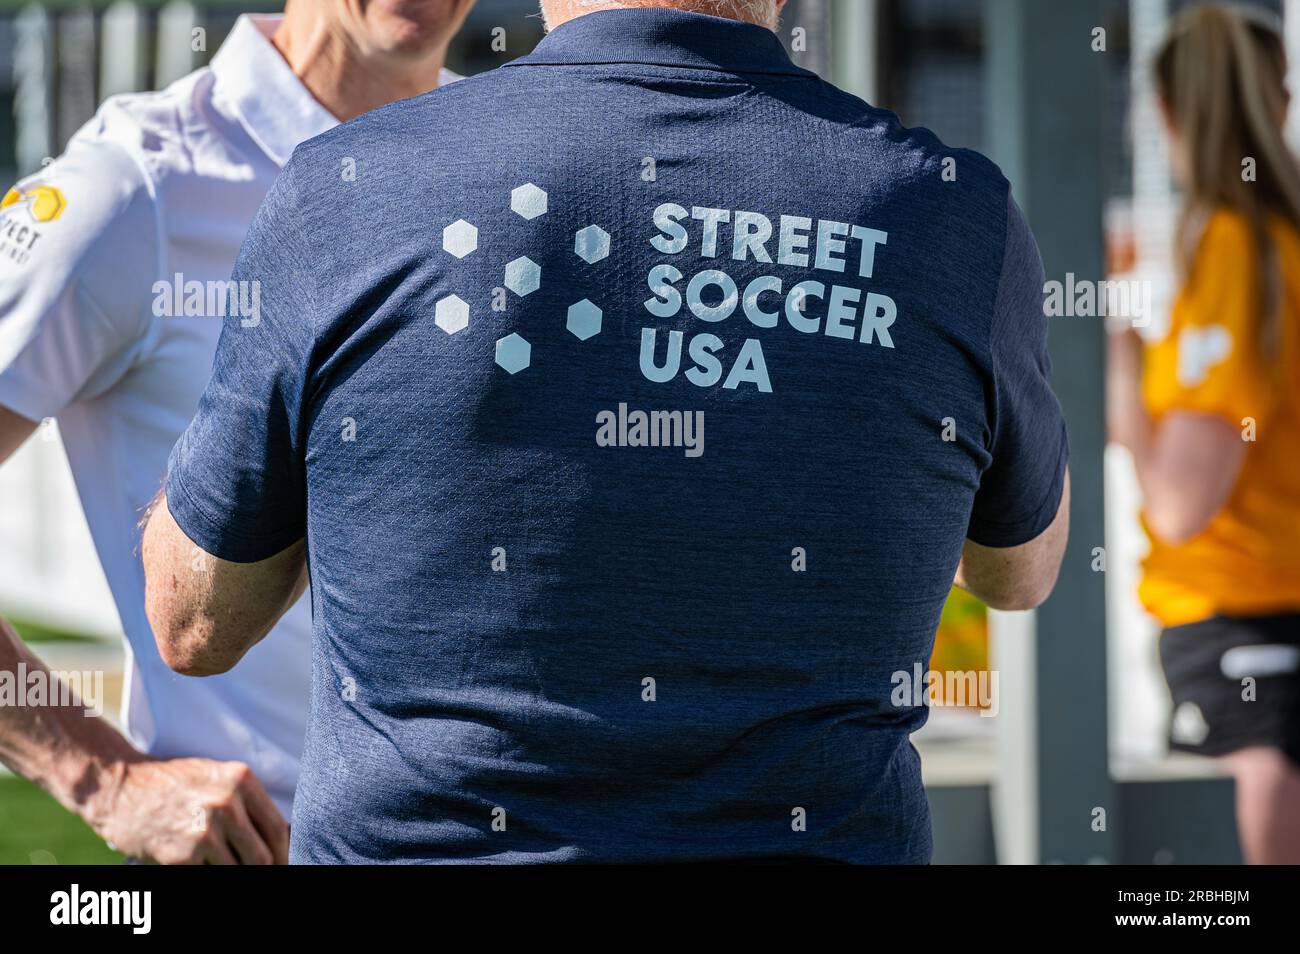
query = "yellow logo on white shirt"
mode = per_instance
[{"x": 45, "y": 203}]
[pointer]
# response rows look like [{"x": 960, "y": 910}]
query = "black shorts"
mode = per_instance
[{"x": 1235, "y": 683}]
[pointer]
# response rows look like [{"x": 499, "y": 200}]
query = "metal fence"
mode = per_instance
[{"x": 59, "y": 60}]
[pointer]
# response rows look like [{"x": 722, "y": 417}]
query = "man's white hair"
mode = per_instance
[{"x": 762, "y": 12}]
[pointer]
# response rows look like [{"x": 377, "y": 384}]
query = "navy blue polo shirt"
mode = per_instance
[{"x": 635, "y": 400}]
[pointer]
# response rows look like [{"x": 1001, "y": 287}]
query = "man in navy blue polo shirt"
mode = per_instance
[{"x": 631, "y": 410}]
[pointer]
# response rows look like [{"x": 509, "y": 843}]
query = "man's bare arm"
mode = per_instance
[
  {"x": 167, "y": 810},
  {"x": 74, "y": 757},
  {"x": 207, "y": 612},
  {"x": 172, "y": 811},
  {"x": 1021, "y": 577}
]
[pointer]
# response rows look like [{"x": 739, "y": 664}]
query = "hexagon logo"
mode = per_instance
[
  {"x": 460, "y": 238},
  {"x": 523, "y": 275},
  {"x": 45, "y": 203},
  {"x": 451, "y": 314},
  {"x": 528, "y": 201},
  {"x": 591, "y": 244},
  {"x": 584, "y": 319},
  {"x": 514, "y": 353}
]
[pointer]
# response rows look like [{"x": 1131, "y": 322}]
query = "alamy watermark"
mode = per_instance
[
  {"x": 948, "y": 688},
  {"x": 133, "y": 909},
  {"x": 42, "y": 687},
  {"x": 1083, "y": 298},
  {"x": 191, "y": 298},
  {"x": 624, "y": 428}
]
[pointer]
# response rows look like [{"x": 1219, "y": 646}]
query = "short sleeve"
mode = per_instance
[
  {"x": 235, "y": 480},
  {"x": 1211, "y": 361},
  {"x": 1021, "y": 488},
  {"x": 78, "y": 260}
]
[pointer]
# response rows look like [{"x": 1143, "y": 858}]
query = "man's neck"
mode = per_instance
[
  {"x": 556, "y": 12},
  {"x": 346, "y": 79}
]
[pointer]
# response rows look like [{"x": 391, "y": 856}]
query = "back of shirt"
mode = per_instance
[
  {"x": 635, "y": 400},
  {"x": 1215, "y": 361}
]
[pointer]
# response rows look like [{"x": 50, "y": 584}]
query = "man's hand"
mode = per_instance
[
  {"x": 191, "y": 811},
  {"x": 181, "y": 810}
]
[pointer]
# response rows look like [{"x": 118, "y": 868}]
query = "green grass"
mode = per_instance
[
  {"x": 35, "y": 829},
  {"x": 36, "y": 633}
]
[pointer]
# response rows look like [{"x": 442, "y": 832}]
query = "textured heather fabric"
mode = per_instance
[{"x": 531, "y": 646}]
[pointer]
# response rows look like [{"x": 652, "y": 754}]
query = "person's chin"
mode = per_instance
[{"x": 412, "y": 39}]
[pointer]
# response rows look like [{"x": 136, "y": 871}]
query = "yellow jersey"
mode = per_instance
[{"x": 1246, "y": 562}]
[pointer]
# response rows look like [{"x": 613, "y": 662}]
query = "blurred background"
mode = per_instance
[{"x": 1057, "y": 93}]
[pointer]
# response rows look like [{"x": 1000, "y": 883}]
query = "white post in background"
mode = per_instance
[
  {"x": 33, "y": 88},
  {"x": 1153, "y": 194},
  {"x": 1138, "y": 701},
  {"x": 34, "y": 113},
  {"x": 121, "y": 50},
  {"x": 1291, "y": 34},
  {"x": 75, "y": 64},
  {"x": 177, "y": 22},
  {"x": 1013, "y": 798},
  {"x": 854, "y": 44}
]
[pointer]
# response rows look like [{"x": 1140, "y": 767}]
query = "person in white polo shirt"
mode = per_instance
[{"x": 114, "y": 261}]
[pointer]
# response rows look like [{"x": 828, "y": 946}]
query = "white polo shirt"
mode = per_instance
[{"x": 147, "y": 207}]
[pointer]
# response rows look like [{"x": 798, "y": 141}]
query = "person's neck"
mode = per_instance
[
  {"x": 347, "y": 80},
  {"x": 557, "y": 12}
]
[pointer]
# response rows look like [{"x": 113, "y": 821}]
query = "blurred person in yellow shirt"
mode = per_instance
[{"x": 1210, "y": 413}]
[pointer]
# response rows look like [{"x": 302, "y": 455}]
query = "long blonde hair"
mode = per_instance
[{"x": 1221, "y": 73}]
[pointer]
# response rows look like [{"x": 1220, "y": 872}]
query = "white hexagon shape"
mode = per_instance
[
  {"x": 514, "y": 353},
  {"x": 528, "y": 201},
  {"x": 591, "y": 244},
  {"x": 523, "y": 275},
  {"x": 460, "y": 238},
  {"x": 451, "y": 314},
  {"x": 584, "y": 319}
]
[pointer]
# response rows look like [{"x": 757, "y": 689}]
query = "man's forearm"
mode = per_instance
[
  {"x": 76, "y": 758},
  {"x": 173, "y": 811}
]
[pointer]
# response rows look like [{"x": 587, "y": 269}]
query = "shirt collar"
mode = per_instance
[
  {"x": 273, "y": 105},
  {"x": 663, "y": 37}
]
